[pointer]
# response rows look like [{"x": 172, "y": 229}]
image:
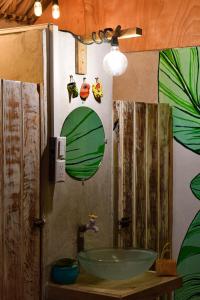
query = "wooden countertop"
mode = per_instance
[{"x": 146, "y": 286}]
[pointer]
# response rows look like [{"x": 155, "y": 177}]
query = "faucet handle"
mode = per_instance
[{"x": 93, "y": 216}]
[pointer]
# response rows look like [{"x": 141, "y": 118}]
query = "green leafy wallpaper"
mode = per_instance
[
  {"x": 179, "y": 85},
  {"x": 85, "y": 143}
]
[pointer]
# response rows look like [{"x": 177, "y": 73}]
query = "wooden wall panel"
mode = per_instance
[
  {"x": 164, "y": 175},
  {"x": 142, "y": 176},
  {"x": 19, "y": 197},
  {"x": 152, "y": 176},
  {"x": 165, "y": 24},
  {"x": 31, "y": 189},
  {"x": 12, "y": 192},
  {"x": 1, "y": 196}
]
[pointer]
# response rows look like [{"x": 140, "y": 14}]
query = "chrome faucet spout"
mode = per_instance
[{"x": 91, "y": 225}]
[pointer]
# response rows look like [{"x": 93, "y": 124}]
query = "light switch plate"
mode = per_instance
[
  {"x": 61, "y": 147},
  {"x": 60, "y": 171},
  {"x": 57, "y": 159}
]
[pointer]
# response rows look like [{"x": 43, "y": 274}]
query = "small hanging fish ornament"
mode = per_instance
[{"x": 97, "y": 90}]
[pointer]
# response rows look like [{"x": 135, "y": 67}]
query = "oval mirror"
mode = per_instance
[{"x": 85, "y": 143}]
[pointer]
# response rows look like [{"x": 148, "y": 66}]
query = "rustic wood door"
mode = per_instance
[
  {"x": 19, "y": 191},
  {"x": 143, "y": 174}
]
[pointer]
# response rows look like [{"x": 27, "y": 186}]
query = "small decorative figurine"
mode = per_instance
[
  {"x": 97, "y": 90},
  {"x": 85, "y": 90},
  {"x": 72, "y": 88}
]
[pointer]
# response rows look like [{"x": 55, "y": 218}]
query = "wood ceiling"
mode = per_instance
[
  {"x": 20, "y": 11},
  {"x": 165, "y": 23}
]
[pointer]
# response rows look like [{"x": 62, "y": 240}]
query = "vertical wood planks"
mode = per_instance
[
  {"x": 164, "y": 173},
  {"x": 31, "y": 185},
  {"x": 140, "y": 174},
  {"x": 12, "y": 194},
  {"x": 128, "y": 144},
  {"x": 19, "y": 191},
  {"x": 143, "y": 173},
  {"x": 152, "y": 178},
  {"x": 1, "y": 195},
  {"x": 115, "y": 173}
]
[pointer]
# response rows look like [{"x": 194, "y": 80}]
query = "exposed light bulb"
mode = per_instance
[
  {"x": 55, "y": 10},
  {"x": 115, "y": 62},
  {"x": 38, "y": 8}
]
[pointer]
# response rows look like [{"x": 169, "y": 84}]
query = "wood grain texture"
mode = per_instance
[
  {"x": 20, "y": 11},
  {"x": 12, "y": 132},
  {"x": 31, "y": 191},
  {"x": 22, "y": 52},
  {"x": 152, "y": 176},
  {"x": 165, "y": 24},
  {"x": 146, "y": 286},
  {"x": 1, "y": 197},
  {"x": 143, "y": 173},
  {"x": 115, "y": 174},
  {"x": 128, "y": 144},
  {"x": 164, "y": 224},
  {"x": 80, "y": 58},
  {"x": 19, "y": 186},
  {"x": 140, "y": 175}
]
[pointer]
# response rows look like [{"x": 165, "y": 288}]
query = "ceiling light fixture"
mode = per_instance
[
  {"x": 115, "y": 62},
  {"x": 55, "y": 9},
  {"x": 38, "y": 8}
]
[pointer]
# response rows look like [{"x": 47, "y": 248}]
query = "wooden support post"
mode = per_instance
[{"x": 80, "y": 58}]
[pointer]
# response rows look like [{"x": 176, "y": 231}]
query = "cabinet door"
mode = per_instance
[{"x": 19, "y": 191}]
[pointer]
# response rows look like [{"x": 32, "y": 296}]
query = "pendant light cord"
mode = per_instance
[{"x": 102, "y": 36}]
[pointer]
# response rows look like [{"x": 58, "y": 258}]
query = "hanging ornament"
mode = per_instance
[
  {"x": 85, "y": 90},
  {"x": 97, "y": 90},
  {"x": 72, "y": 88}
]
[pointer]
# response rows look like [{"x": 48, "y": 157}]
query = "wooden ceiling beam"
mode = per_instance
[{"x": 21, "y": 11}]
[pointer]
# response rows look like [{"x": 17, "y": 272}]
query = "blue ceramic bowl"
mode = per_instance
[{"x": 63, "y": 274}]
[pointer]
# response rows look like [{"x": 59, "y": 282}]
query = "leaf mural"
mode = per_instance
[
  {"x": 179, "y": 85},
  {"x": 188, "y": 263},
  {"x": 195, "y": 186},
  {"x": 85, "y": 143}
]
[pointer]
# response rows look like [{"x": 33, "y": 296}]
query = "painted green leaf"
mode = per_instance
[
  {"x": 195, "y": 186},
  {"x": 85, "y": 143},
  {"x": 186, "y": 129},
  {"x": 179, "y": 85},
  {"x": 189, "y": 263}
]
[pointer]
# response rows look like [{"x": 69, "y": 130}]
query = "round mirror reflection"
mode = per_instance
[{"x": 85, "y": 143}]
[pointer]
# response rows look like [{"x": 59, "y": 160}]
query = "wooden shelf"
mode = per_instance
[{"x": 146, "y": 286}]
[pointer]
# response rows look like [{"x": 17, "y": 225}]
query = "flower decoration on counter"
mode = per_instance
[
  {"x": 72, "y": 88},
  {"x": 97, "y": 90},
  {"x": 85, "y": 90},
  {"x": 166, "y": 266}
]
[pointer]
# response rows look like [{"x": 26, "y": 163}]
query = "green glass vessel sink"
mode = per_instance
[{"x": 116, "y": 264}]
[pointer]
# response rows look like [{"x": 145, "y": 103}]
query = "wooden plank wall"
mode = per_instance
[
  {"x": 19, "y": 191},
  {"x": 143, "y": 174}
]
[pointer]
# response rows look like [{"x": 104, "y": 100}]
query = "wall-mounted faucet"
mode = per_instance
[{"x": 91, "y": 225}]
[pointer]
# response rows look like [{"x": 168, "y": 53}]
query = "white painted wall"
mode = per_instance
[{"x": 72, "y": 201}]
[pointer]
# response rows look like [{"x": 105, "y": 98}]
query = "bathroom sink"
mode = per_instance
[{"x": 116, "y": 264}]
